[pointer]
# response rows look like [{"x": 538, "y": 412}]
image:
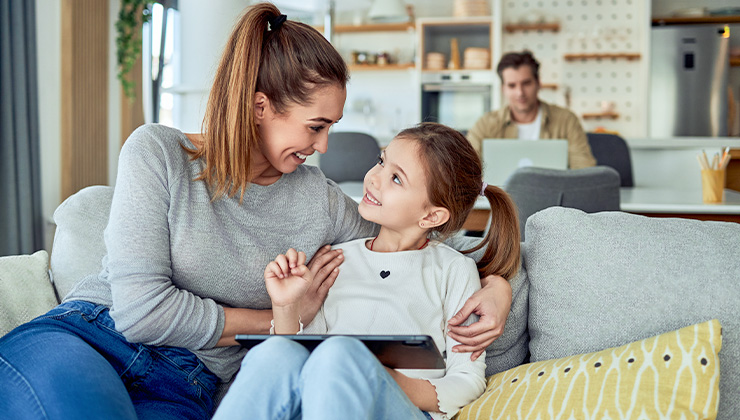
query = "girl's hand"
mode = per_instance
[
  {"x": 492, "y": 303},
  {"x": 287, "y": 278},
  {"x": 325, "y": 268}
]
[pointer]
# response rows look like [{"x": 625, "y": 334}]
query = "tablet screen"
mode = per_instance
[{"x": 394, "y": 351}]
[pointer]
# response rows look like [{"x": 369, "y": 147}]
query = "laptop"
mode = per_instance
[{"x": 501, "y": 157}]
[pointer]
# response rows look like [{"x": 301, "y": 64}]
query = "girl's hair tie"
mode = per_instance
[
  {"x": 277, "y": 22},
  {"x": 483, "y": 190}
]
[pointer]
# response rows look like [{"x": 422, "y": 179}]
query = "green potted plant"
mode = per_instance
[{"x": 131, "y": 16}]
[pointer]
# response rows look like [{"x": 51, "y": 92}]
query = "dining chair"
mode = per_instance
[
  {"x": 592, "y": 190},
  {"x": 349, "y": 156},
  {"x": 612, "y": 150}
]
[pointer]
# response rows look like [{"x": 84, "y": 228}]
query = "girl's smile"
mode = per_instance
[{"x": 371, "y": 200}]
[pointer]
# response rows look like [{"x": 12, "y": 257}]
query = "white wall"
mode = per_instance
[{"x": 48, "y": 28}]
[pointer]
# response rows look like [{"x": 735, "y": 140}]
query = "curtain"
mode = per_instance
[{"x": 21, "y": 220}]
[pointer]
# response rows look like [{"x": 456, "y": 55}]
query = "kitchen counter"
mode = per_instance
[
  {"x": 685, "y": 143},
  {"x": 671, "y": 163}
]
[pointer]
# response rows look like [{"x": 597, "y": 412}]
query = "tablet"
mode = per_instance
[{"x": 394, "y": 351}]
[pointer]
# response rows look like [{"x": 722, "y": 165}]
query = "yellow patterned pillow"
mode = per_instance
[{"x": 672, "y": 376}]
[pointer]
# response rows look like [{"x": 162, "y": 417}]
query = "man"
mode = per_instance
[{"x": 528, "y": 118}]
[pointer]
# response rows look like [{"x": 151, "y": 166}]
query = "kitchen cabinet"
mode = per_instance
[
  {"x": 454, "y": 61},
  {"x": 451, "y": 37}
]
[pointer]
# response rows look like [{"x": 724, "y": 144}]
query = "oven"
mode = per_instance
[{"x": 456, "y": 98}]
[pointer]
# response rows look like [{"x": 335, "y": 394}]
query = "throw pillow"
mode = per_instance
[
  {"x": 25, "y": 289},
  {"x": 79, "y": 247},
  {"x": 672, "y": 375}
]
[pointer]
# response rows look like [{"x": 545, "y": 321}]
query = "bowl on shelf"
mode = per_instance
[
  {"x": 435, "y": 61},
  {"x": 466, "y": 8},
  {"x": 476, "y": 58}
]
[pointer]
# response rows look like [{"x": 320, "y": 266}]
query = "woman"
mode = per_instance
[{"x": 194, "y": 220}]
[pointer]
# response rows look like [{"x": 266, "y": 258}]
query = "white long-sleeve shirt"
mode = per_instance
[{"x": 417, "y": 293}]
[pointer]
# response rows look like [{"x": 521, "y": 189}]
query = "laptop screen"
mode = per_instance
[{"x": 501, "y": 157}]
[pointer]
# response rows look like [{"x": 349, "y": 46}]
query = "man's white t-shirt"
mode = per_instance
[{"x": 531, "y": 131}]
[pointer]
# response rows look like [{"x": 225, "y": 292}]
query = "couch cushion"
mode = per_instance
[
  {"x": 78, "y": 248},
  {"x": 605, "y": 279},
  {"x": 673, "y": 375},
  {"x": 25, "y": 289}
]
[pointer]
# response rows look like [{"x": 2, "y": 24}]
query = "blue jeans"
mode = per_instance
[
  {"x": 71, "y": 363},
  {"x": 340, "y": 379}
]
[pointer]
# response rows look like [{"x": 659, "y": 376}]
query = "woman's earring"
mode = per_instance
[{"x": 421, "y": 224}]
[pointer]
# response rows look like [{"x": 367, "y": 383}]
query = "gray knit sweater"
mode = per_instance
[{"x": 176, "y": 258}]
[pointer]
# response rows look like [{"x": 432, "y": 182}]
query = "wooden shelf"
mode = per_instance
[
  {"x": 734, "y": 61},
  {"x": 371, "y": 27},
  {"x": 375, "y": 67},
  {"x": 694, "y": 20},
  {"x": 600, "y": 115},
  {"x": 552, "y": 86},
  {"x": 602, "y": 56},
  {"x": 520, "y": 27}
]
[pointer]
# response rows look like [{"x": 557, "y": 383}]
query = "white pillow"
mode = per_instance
[{"x": 25, "y": 289}]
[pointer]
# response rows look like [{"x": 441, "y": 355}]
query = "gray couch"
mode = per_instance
[{"x": 588, "y": 282}]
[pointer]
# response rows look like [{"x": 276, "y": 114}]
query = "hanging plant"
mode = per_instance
[{"x": 132, "y": 15}]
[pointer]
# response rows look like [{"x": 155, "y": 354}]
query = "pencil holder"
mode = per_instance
[{"x": 713, "y": 185}]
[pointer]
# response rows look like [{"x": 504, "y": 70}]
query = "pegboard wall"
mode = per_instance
[{"x": 587, "y": 85}]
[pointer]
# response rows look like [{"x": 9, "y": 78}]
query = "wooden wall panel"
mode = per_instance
[
  {"x": 132, "y": 110},
  {"x": 84, "y": 91}
]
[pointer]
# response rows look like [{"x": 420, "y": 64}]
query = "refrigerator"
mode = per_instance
[{"x": 689, "y": 67}]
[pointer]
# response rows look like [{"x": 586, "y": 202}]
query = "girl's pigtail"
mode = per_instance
[{"x": 502, "y": 242}]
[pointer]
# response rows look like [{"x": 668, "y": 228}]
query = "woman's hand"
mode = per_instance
[
  {"x": 325, "y": 268},
  {"x": 287, "y": 278},
  {"x": 491, "y": 304}
]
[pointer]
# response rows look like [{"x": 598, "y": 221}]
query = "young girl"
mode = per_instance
[
  {"x": 402, "y": 281},
  {"x": 194, "y": 219}
]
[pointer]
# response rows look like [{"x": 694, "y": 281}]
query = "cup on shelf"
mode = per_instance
[
  {"x": 607, "y": 107},
  {"x": 713, "y": 185}
]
